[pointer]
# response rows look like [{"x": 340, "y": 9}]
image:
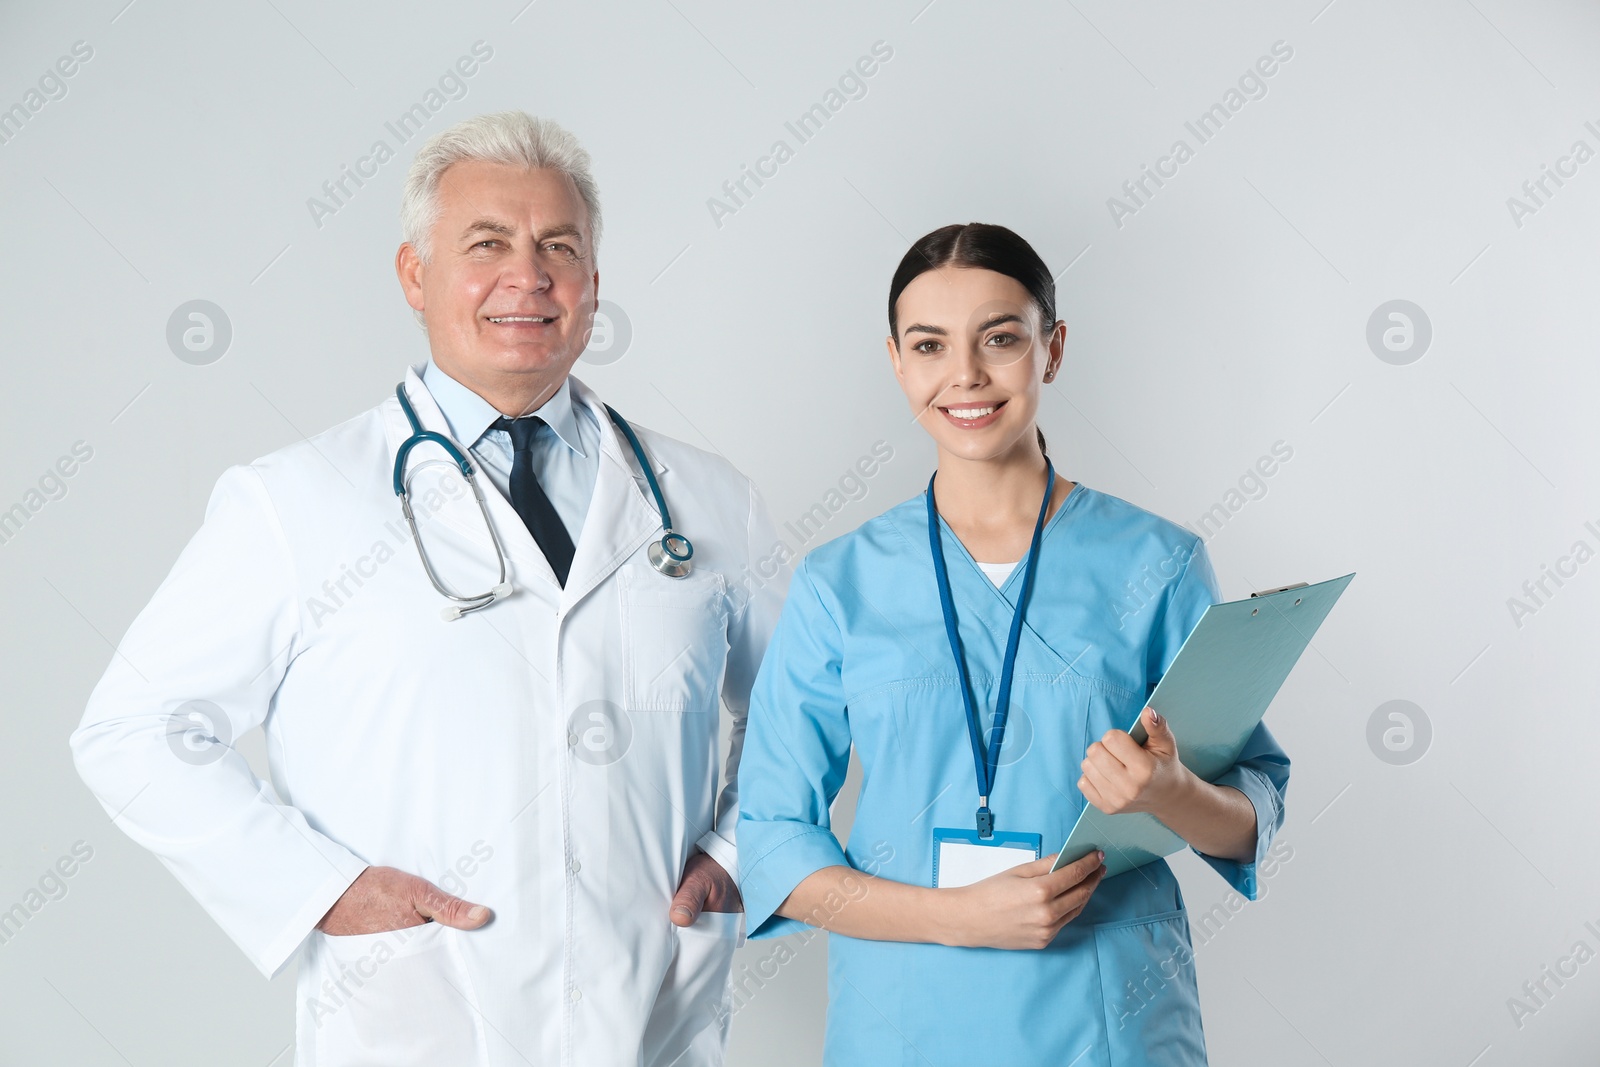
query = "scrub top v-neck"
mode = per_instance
[
  {"x": 998, "y": 572},
  {"x": 861, "y": 661}
]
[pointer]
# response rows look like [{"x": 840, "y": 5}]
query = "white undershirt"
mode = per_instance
[{"x": 998, "y": 572}]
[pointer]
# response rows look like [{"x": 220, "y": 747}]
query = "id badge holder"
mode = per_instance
[{"x": 961, "y": 857}]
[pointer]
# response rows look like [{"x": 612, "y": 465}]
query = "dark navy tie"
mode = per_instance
[{"x": 538, "y": 514}]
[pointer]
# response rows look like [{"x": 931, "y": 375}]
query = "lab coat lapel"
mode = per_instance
[
  {"x": 521, "y": 549},
  {"x": 622, "y": 515}
]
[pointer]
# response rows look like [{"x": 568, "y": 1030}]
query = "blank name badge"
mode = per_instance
[{"x": 961, "y": 857}]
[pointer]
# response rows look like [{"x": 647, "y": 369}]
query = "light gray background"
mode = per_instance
[{"x": 1230, "y": 312}]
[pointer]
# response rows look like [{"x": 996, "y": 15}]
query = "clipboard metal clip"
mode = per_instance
[{"x": 1280, "y": 589}]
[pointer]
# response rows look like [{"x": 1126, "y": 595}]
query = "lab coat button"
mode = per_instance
[
  {"x": 572, "y": 738},
  {"x": 577, "y": 995},
  {"x": 576, "y": 866}
]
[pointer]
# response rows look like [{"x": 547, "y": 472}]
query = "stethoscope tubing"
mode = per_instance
[{"x": 672, "y": 554}]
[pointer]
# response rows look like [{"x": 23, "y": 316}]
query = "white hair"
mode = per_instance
[{"x": 515, "y": 138}]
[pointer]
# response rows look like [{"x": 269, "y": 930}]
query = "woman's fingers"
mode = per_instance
[
  {"x": 1123, "y": 748},
  {"x": 1072, "y": 902},
  {"x": 1034, "y": 868},
  {"x": 1103, "y": 786},
  {"x": 1074, "y": 874}
]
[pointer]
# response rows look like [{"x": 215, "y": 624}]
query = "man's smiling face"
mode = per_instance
[{"x": 509, "y": 291}]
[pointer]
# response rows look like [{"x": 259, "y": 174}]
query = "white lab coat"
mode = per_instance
[{"x": 487, "y": 755}]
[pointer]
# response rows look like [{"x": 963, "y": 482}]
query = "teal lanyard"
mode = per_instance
[{"x": 986, "y": 759}]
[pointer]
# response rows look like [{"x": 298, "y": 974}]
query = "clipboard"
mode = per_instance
[{"x": 1219, "y": 686}]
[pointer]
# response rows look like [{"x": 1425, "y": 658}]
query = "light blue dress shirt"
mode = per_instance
[
  {"x": 566, "y": 450},
  {"x": 860, "y": 661}
]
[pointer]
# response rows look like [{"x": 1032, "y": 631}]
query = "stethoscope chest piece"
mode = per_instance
[{"x": 673, "y": 555}]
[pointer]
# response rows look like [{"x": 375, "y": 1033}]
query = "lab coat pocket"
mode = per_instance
[
  {"x": 394, "y": 999},
  {"x": 674, "y": 640},
  {"x": 1152, "y": 1001},
  {"x": 689, "y": 1023}
]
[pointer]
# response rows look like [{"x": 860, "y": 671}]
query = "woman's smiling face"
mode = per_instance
[{"x": 970, "y": 356}]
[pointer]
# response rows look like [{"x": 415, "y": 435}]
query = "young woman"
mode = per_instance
[{"x": 981, "y": 646}]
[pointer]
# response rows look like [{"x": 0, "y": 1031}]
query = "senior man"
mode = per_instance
[{"x": 510, "y": 694}]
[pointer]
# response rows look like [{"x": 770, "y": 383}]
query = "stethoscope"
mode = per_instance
[{"x": 672, "y": 555}]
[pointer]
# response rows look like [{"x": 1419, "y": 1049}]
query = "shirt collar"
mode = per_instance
[{"x": 470, "y": 415}]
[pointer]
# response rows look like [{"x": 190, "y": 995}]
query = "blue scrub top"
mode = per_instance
[{"x": 860, "y": 657}]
